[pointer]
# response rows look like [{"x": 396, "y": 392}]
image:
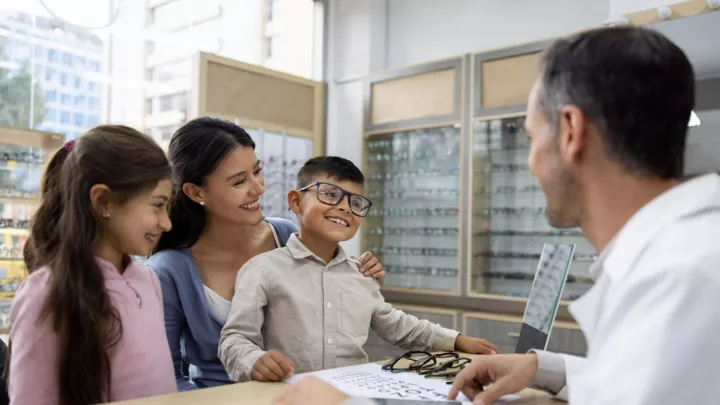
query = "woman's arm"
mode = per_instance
[{"x": 174, "y": 326}]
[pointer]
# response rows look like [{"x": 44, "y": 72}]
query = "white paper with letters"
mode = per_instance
[{"x": 370, "y": 381}]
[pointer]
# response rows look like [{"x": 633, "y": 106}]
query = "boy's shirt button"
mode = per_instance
[
  {"x": 329, "y": 304},
  {"x": 330, "y": 341}
]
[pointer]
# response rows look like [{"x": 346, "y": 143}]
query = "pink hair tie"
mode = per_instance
[{"x": 69, "y": 145}]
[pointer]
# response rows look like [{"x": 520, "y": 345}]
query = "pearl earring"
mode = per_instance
[
  {"x": 106, "y": 215},
  {"x": 202, "y": 202}
]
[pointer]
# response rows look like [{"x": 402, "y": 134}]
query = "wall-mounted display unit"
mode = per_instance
[
  {"x": 23, "y": 153},
  {"x": 413, "y": 166}
]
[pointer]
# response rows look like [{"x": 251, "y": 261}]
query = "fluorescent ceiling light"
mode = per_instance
[{"x": 694, "y": 120}]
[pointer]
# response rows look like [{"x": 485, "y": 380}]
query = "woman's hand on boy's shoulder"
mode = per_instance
[
  {"x": 370, "y": 266},
  {"x": 273, "y": 366},
  {"x": 471, "y": 345}
]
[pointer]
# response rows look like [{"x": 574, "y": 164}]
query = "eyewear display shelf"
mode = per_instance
[
  {"x": 282, "y": 155},
  {"x": 509, "y": 227},
  {"x": 23, "y": 153},
  {"x": 458, "y": 220}
]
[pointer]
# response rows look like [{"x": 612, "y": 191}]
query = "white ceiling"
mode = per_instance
[{"x": 699, "y": 37}]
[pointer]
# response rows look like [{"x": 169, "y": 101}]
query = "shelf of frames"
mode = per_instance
[
  {"x": 412, "y": 160},
  {"x": 457, "y": 218},
  {"x": 283, "y": 114},
  {"x": 23, "y": 153}
]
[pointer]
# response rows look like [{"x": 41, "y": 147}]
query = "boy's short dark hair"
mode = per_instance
[{"x": 332, "y": 166}]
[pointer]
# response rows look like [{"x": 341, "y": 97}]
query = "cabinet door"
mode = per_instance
[
  {"x": 567, "y": 340},
  {"x": 379, "y": 349},
  {"x": 502, "y": 333}
]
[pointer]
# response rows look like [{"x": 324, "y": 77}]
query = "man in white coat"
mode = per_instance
[{"x": 607, "y": 120}]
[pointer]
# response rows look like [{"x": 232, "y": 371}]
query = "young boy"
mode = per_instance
[{"x": 306, "y": 307}]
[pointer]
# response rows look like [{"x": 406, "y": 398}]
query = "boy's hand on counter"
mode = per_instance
[
  {"x": 474, "y": 345},
  {"x": 273, "y": 366}
]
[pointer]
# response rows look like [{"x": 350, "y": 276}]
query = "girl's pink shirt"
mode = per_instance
[{"x": 140, "y": 362}]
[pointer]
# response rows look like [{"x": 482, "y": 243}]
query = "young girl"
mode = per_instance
[{"x": 87, "y": 323}]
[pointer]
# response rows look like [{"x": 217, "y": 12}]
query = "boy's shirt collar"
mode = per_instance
[{"x": 300, "y": 251}]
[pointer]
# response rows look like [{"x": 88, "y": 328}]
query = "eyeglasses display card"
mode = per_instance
[
  {"x": 282, "y": 157},
  {"x": 509, "y": 224},
  {"x": 413, "y": 181}
]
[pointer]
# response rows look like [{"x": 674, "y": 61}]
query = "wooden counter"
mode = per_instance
[{"x": 256, "y": 393}]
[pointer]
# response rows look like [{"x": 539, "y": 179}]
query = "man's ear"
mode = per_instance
[
  {"x": 193, "y": 192},
  {"x": 100, "y": 200},
  {"x": 293, "y": 199},
  {"x": 572, "y": 133}
]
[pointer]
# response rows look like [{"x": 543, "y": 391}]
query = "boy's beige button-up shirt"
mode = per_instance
[{"x": 317, "y": 314}]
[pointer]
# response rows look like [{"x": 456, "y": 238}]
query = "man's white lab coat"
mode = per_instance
[{"x": 652, "y": 319}]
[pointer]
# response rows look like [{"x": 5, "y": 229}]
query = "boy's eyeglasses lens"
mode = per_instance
[{"x": 333, "y": 195}]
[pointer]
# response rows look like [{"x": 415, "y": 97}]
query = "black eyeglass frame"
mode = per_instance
[{"x": 342, "y": 197}]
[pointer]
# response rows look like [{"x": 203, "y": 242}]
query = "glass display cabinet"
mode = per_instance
[
  {"x": 509, "y": 227},
  {"x": 283, "y": 156},
  {"x": 413, "y": 181},
  {"x": 23, "y": 153}
]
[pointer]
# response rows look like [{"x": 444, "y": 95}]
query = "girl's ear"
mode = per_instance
[
  {"x": 293, "y": 199},
  {"x": 100, "y": 200},
  {"x": 193, "y": 192}
]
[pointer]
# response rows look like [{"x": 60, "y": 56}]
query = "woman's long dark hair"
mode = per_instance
[
  {"x": 195, "y": 151},
  {"x": 66, "y": 230}
]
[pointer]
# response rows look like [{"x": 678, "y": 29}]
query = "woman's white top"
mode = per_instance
[{"x": 219, "y": 306}]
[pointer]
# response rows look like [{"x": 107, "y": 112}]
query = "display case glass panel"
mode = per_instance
[
  {"x": 21, "y": 168},
  {"x": 413, "y": 181},
  {"x": 509, "y": 227},
  {"x": 283, "y": 156}
]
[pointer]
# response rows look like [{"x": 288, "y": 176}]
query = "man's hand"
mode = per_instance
[
  {"x": 474, "y": 346},
  {"x": 508, "y": 374},
  {"x": 310, "y": 391},
  {"x": 273, "y": 366}
]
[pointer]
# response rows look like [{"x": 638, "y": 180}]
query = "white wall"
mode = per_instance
[
  {"x": 369, "y": 35},
  {"x": 422, "y": 30}
]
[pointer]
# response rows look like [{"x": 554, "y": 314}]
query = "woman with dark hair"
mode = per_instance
[{"x": 217, "y": 226}]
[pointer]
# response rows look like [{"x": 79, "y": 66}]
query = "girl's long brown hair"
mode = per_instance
[{"x": 65, "y": 232}]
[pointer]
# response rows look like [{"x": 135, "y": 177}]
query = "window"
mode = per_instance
[
  {"x": 149, "y": 74},
  {"x": 78, "y": 119},
  {"x": 93, "y": 120},
  {"x": 150, "y": 18},
  {"x": 149, "y": 48},
  {"x": 170, "y": 71},
  {"x": 39, "y": 70},
  {"x": 78, "y": 82},
  {"x": 53, "y": 55},
  {"x": 51, "y": 115},
  {"x": 65, "y": 99},
  {"x": 64, "y": 79},
  {"x": 80, "y": 101},
  {"x": 270, "y": 10},
  {"x": 149, "y": 106},
  {"x": 94, "y": 103},
  {"x": 49, "y": 74},
  {"x": 166, "y": 132},
  {"x": 67, "y": 59},
  {"x": 177, "y": 102},
  {"x": 268, "y": 47},
  {"x": 52, "y": 95},
  {"x": 65, "y": 117},
  {"x": 94, "y": 66},
  {"x": 93, "y": 86}
]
